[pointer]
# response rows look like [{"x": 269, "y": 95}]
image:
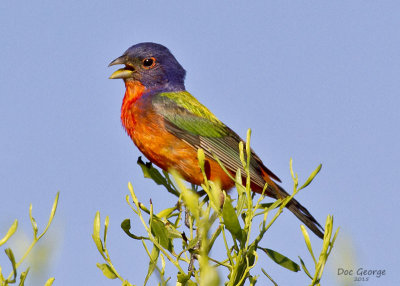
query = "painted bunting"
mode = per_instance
[{"x": 169, "y": 125}]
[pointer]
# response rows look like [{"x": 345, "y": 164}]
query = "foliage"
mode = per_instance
[
  {"x": 215, "y": 217},
  {"x": 12, "y": 277}
]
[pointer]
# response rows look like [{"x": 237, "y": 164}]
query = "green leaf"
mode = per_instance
[
  {"x": 231, "y": 221},
  {"x": 201, "y": 157},
  {"x": 53, "y": 209},
  {"x": 162, "y": 272},
  {"x": 214, "y": 194},
  {"x": 308, "y": 242},
  {"x": 267, "y": 205},
  {"x": 333, "y": 240},
  {"x": 172, "y": 231},
  {"x": 248, "y": 149},
  {"x": 152, "y": 173},
  {"x": 96, "y": 233},
  {"x": 33, "y": 221},
  {"x": 50, "y": 281},
  {"x": 166, "y": 213},
  {"x": 241, "y": 153},
  {"x": 303, "y": 265},
  {"x": 281, "y": 259},
  {"x": 10, "y": 232},
  {"x": 241, "y": 192},
  {"x": 105, "y": 230},
  {"x": 107, "y": 271},
  {"x": 126, "y": 226},
  {"x": 160, "y": 232},
  {"x": 22, "y": 277},
  {"x": 311, "y": 178},
  {"x": 52, "y": 214},
  {"x": 294, "y": 176},
  {"x": 11, "y": 256},
  {"x": 153, "y": 262},
  {"x": 133, "y": 195}
]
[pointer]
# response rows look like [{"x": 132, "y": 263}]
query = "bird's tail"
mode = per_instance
[
  {"x": 304, "y": 215},
  {"x": 295, "y": 207}
]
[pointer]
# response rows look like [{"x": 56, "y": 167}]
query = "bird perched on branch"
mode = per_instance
[{"x": 169, "y": 125}]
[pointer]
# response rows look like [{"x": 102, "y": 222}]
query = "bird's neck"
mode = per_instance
[
  {"x": 131, "y": 107},
  {"x": 134, "y": 90}
]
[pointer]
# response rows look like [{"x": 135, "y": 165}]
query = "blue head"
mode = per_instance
[{"x": 152, "y": 65}]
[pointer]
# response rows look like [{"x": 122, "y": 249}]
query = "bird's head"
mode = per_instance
[{"x": 152, "y": 65}]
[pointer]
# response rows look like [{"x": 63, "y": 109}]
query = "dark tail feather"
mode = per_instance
[
  {"x": 300, "y": 212},
  {"x": 304, "y": 215},
  {"x": 294, "y": 206}
]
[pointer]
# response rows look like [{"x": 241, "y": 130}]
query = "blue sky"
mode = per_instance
[{"x": 317, "y": 81}]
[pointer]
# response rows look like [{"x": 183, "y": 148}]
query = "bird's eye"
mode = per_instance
[{"x": 148, "y": 63}]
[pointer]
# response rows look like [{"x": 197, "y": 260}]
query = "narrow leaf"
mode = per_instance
[
  {"x": 152, "y": 173},
  {"x": 133, "y": 195},
  {"x": 166, "y": 213},
  {"x": 231, "y": 220},
  {"x": 241, "y": 192},
  {"x": 162, "y": 264},
  {"x": 53, "y": 210},
  {"x": 294, "y": 176},
  {"x": 11, "y": 256},
  {"x": 312, "y": 176},
  {"x": 153, "y": 263},
  {"x": 281, "y": 259},
  {"x": 33, "y": 222},
  {"x": 107, "y": 271},
  {"x": 160, "y": 232},
  {"x": 303, "y": 265},
  {"x": 52, "y": 214},
  {"x": 22, "y": 277},
  {"x": 201, "y": 158},
  {"x": 10, "y": 232},
  {"x": 241, "y": 153},
  {"x": 308, "y": 242},
  {"x": 96, "y": 233},
  {"x": 126, "y": 226},
  {"x": 172, "y": 231},
  {"x": 248, "y": 149},
  {"x": 50, "y": 281},
  {"x": 106, "y": 222}
]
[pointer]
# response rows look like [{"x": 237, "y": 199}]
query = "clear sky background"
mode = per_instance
[{"x": 317, "y": 81}]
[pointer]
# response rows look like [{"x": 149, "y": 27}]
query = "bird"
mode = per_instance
[{"x": 168, "y": 125}]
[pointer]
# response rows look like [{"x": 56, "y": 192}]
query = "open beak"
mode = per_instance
[{"x": 123, "y": 72}]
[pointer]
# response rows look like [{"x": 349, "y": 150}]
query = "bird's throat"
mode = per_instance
[{"x": 134, "y": 90}]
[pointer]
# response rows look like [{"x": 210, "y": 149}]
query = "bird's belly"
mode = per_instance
[
  {"x": 169, "y": 152},
  {"x": 164, "y": 149}
]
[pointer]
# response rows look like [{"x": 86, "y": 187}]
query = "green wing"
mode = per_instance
[{"x": 189, "y": 120}]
